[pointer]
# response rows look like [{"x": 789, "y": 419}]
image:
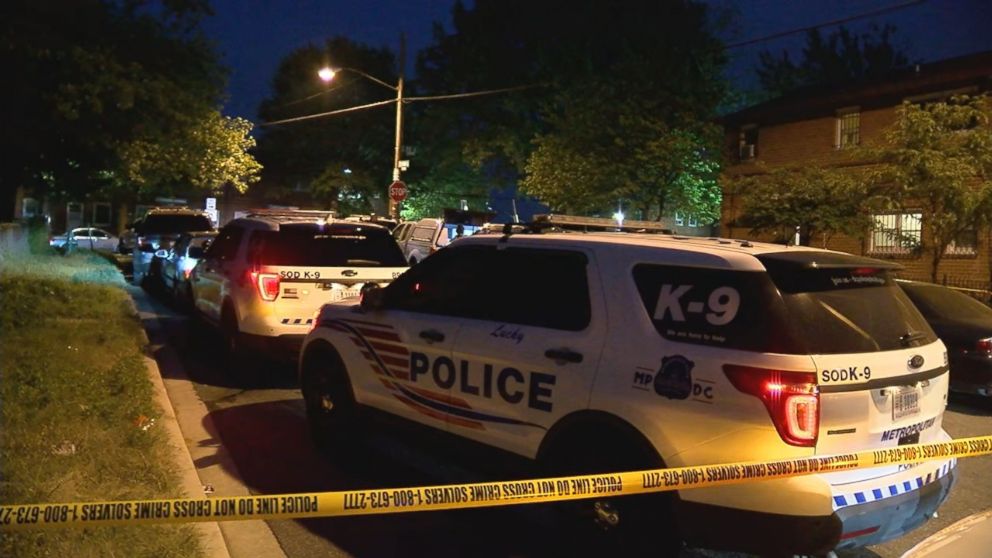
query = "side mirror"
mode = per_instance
[
  {"x": 373, "y": 297},
  {"x": 162, "y": 254},
  {"x": 195, "y": 252}
]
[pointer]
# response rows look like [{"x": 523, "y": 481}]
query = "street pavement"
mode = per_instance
[{"x": 257, "y": 418}]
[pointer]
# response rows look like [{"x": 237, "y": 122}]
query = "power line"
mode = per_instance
[
  {"x": 331, "y": 113},
  {"x": 473, "y": 94},
  {"x": 879, "y": 11}
]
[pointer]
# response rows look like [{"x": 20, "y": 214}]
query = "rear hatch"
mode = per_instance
[
  {"x": 306, "y": 265},
  {"x": 160, "y": 230},
  {"x": 881, "y": 370}
]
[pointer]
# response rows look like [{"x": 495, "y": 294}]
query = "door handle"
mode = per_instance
[
  {"x": 563, "y": 355},
  {"x": 432, "y": 336}
]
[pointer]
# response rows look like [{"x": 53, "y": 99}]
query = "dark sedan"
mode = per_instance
[{"x": 965, "y": 326}]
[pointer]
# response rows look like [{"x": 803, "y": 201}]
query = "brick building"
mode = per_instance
[{"x": 817, "y": 126}]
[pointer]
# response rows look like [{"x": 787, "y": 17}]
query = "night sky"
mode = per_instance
[{"x": 254, "y": 35}]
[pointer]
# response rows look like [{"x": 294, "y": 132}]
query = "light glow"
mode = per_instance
[{"x": 326, "y": 74}]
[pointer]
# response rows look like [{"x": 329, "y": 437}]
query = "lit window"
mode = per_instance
[
  {"x": 896, "y": 233},
  {"x": 964, "y": 244},
  {"x": 748, "y": 142},
  {"x": 848, "y": 128}
]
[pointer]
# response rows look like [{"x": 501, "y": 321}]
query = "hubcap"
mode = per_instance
[{"x": 607, "y": 516}]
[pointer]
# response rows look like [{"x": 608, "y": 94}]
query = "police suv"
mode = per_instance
[
  {"x": 603, "y": 352},
  {"x": 265, "y": 275}
]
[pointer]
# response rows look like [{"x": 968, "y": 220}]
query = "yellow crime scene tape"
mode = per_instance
[{"x": 474, "y": 495}]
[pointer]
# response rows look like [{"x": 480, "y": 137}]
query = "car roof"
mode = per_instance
[
  {"x": 174, "y": 211},
  {"x": 275, "y": 222},
  {"x": 719, "y": 252}
]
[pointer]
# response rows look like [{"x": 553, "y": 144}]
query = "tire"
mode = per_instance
[
  {"x": 330, "y": 403},
  {"x": 640, "y": 525}
]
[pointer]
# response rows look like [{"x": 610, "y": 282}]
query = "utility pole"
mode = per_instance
[{"x": 394, "y": 206}]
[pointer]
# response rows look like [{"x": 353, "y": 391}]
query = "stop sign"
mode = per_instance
[{"x": 397, "y": 191}]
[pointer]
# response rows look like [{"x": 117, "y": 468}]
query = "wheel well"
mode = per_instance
[
  {"x": 227, "y": 311},
  {"x": 323, "y": 352},
  {"x": 590, "y": 429}
]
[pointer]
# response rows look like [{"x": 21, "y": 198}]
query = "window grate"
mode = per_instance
[{"x": 896, "y": 233}]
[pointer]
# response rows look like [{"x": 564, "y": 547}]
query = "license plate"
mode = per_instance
[
  {"x": 905, "y": 402},
  {"x": 342, "y": 294}
]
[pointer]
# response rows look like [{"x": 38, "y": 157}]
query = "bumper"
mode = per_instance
[
  {"x": 869, "y": 517},
  {"x": 971, "y": 373},
  {"x": 281, "y": 347}
]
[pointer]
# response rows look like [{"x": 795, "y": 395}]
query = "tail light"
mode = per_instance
[
  {"x": 984, "y": 345},
  {"x": 791, "y": 398},
  {"x": 187, "y": 273},
  {"x": 267, "y": 285}
]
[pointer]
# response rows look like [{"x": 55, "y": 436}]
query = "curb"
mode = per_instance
[
  {"x": 191, "y": 429},
  {"x": 210, "y": 533}
]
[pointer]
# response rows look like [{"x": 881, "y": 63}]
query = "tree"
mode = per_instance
[
  {"x": 102, "y": 81},
  {"x": 609, "y": 105},
  {"x": 821, "y": 201},
  {"x": 343, "y": 160},
  {"x": 937, "y": 158},
  {"x": 840, "y": 57}
]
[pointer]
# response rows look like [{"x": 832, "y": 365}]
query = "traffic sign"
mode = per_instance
[{"x": 397, "y": 191}]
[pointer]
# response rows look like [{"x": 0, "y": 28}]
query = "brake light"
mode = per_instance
[
  {"x": 984, "y": 345},
  {"x": 267, "y": 285},
  {"x": 791, "y": 398},
  {"x": 187, "y": 273}
]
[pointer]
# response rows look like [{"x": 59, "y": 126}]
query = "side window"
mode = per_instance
[
  {"x": 442, "y": 284},
  {"x": 541, "y": 288},
  {"x": 225, "y": 247},
  {"x": 535, "y": 287},
  {"x": 97, "y": 233},
  {"x": 423, "y": 234},
  {"x": 724, "y": 308}
]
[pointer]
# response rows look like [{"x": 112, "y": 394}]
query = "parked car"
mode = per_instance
[
  {"x": 159, "y": 229},
  {"x": 965, "y": 326},
  {"x": 599, "y": 352},
  {"x": 265, "y": 275},
  {"x": 177, "y": 264},
  {"x": 425, "y": 237},
  {"x": 85, "y": 238}
]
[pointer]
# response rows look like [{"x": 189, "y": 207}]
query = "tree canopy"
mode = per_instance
[
  {"x": 937, "y": 158},
  {"x": 344, "y": 161},
  {"x": 105, "y": 91},
  {"x": 837, "y": 58},
  {"x": 617, "y": 109}
]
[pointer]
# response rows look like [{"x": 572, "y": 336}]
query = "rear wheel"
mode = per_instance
[
  {"x": 639, "y": 525},
  {"x": 330, "y": 403}
]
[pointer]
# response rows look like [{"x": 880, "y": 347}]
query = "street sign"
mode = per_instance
[{"x": 397, "y": 191}]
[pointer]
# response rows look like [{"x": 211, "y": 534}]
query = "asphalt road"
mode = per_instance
[{"x": 259, "y": 417}]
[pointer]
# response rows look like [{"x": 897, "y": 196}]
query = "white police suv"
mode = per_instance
[
  {"x": 265, "y": 275},
  {"x": 605, "y": 352}
]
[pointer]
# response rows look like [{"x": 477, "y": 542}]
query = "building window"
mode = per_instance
[
  {"x": 686, "y": 220},
  {"x": 748, "y": 143},
  {"x": 896, "y": 233},
  {"x": 101, "y": 213},
  {"x": 848, "y": 128},
  {"x": 964, "y": 244},
  {"x": 30, "y": 208}
]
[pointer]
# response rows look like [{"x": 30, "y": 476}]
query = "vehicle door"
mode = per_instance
[
  {"x": 102, "y": 240},
  {"x": 529, "y": 343},
  {"x": 411, "y": 337},
  {"x": 83, "y": 238},
  {"x": 171, "y": 265},
  {"x": 214, "y": 270}
]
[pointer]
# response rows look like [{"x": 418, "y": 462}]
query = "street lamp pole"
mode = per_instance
[
  {"x": 327, "y": 74},
  {"x": 394, "y": 206}
]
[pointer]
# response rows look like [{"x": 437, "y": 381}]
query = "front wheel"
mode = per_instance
[
  {"x": 330, "y": 403},
  {"x": 638, "y": 525}
]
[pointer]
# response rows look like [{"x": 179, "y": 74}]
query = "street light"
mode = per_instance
[{"x": 327, "y": 74}]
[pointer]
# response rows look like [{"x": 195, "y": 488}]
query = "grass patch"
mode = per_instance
[{"x": 73, "y": 391}]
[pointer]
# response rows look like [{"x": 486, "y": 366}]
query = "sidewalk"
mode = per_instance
[{"x": 190, "y": 430}]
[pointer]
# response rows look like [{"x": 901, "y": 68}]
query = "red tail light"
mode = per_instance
[
  {"x": 267, "y": 284},
  {"x": 792, "y": 400},
  {"x": 187, "y": 272},
  {"x": 984, "y": 345}
]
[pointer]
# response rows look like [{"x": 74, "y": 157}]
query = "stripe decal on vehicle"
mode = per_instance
[
  {"x": 874, "y": 494},
  {"x": 435, "y": 405}
]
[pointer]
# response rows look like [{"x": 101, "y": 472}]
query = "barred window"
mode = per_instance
[
  {"x": 848, "y": 128},
  {"x": 896, "y": 233},
  {"x": 964, "y": 244}
]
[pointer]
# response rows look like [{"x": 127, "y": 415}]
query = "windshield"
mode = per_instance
[
  {"x": 837, "y": 309},
  {"x": 326, "y": 246},
  {"x": 943, "y": 303},
  {"x": 174, "y": 224}
]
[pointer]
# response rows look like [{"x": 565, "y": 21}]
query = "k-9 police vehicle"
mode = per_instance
[
  {"x": 265, "y": 275},
  {"x": 604, "y": 352}
]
